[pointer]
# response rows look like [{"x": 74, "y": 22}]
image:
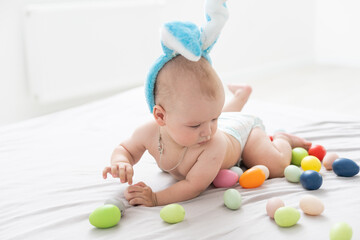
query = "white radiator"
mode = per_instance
[{"x": 82, "y": 48}]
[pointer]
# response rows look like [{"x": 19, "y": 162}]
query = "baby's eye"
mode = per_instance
[
  {"x": 195, "y": 126},
  {"x": 215, "y": 119}
]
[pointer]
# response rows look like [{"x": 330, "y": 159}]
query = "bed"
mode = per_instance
[{"x": 50, "y": 178}]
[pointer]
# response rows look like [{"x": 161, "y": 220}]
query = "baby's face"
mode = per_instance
[{"x": 193, "y": 122}]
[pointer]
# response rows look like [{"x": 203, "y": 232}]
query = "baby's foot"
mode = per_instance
[
  {"x": 241, "y": 91},
  {"x": 294, "y": 141}
]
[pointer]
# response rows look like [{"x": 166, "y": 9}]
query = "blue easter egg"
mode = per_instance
[
  {"x": 311, "y": 180},
  {"x": 345, "y": 167}
]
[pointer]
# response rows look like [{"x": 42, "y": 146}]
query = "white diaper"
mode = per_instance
[{"x": 239, "y": 125}]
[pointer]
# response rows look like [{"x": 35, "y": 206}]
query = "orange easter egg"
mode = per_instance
[{"x": 252, "y": 178}]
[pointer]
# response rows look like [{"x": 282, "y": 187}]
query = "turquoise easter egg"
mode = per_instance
[
  {"x": 292, "y": 173},
  {"x": 105, "y": 216},
  {"x": 341, "y": 231},
  {"x": 232, "y": 199},
  {"x": 345, "y": 167},
  {"x": 286, "y": 216},
  {"x": 172, "y": 213}
]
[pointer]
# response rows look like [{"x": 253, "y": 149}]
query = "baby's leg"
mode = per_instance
[
  {"x": 241, "y": 95},
  {"x": 276, "y": 154}
]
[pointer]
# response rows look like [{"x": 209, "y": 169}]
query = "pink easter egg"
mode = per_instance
[
  {"x": 329, "y": 159},
  {"x": 225, "y": 178},
  {"x": 272, "y": 205}
]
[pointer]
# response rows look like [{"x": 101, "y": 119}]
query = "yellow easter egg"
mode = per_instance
[{"x": 311, "y": 163}]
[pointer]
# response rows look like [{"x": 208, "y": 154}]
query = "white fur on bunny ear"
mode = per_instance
[{"x": 217, "y": 15}]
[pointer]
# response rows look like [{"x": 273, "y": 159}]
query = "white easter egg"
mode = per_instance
[{"x": 311, "y": 205}]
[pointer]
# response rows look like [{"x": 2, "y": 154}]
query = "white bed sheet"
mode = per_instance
[{"x": 50, "y": 178}]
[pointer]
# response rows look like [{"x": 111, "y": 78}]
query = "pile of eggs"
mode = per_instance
[{"x": 311, "y": 162}]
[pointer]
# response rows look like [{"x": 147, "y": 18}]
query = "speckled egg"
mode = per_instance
[
  {"x": 292, "y": 173},
  {"x": 272, "y": 205},
  {"x": 311, "y": 205},
  {"x": 286, "y": 216},
  {"x": 172, "y": 213},
  {"x": 345, "y": 167},
  {"x": 264, "y": 169},
  {"x": 329, "y": 159},
  {"x": 225, "y": 178},
  {"x": 232, "y": 199}
]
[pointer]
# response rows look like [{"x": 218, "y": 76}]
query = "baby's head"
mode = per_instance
[
  {"x": 181, "y": 81},
  {"x": 189, "y": 98}
]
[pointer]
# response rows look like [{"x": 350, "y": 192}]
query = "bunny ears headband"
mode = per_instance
[{"x": 186, "y": 39}]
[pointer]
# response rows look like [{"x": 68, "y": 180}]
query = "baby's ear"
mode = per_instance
[{"x": 159, "y": 115}]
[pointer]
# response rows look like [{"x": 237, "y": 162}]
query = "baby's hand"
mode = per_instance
[
  {"x": 122, "y": 170},
  {"x": 140, "y": 194}
]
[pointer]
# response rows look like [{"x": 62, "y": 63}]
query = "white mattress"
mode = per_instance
[{"x": 50, "y": 178}]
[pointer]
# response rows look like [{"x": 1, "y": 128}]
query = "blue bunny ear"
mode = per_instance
[
  {"x": 216, "y": 16},
  {"x": 181, "y": 38}
]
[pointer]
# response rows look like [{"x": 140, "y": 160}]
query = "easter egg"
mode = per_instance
[
  {"x": 264, "y": 169},
  {"x": 252, "y": 178},
  {"x": 225, "y": 178},
  {"x": 286, "y": 216},
  {"x": 232, "y": 199},
  {"x": 238, "y": 170},
  {"x": 105, "y": 216},
  {"x": 297, "y": 154},
  {"x": 311, "y": 180},
  {"x": 317, "y": 151},
  {"x": 341, "y": 231},
  {"x": 272, "y": 205},
  {"x": 311, "y": 163},
  {"x": 329, "y": 159},
  {"x": 172, "y": 213},
  {"x": 292, "y": 173},
  {"x": 311, "y": 205},
  {"x": 345, "y": 167},
  {"x": 117, "y": 202}
]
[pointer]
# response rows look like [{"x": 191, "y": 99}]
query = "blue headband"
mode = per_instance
[{"x": 186, "y": 39}]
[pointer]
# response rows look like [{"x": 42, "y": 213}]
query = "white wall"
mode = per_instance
[
  {"x": 338, "y": 32},
  {"x": 260, "y": 35}
]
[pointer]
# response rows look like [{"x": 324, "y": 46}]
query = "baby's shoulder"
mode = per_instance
[{"x": 146, "y": 131}]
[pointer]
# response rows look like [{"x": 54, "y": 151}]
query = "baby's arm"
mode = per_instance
[
  {"x": 197, "y": 180},
  {"x": 127, "y": 154}
]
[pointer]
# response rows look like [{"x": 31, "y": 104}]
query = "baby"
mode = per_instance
[{"x": 193, "y": 135}]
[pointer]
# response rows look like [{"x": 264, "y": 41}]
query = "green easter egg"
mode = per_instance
[
  {"x": 172, "y": 213},
  {"x": 297, "y": 155},
  {"x": 341, "y": 231},
  {"x": 292, "y": 173},
  {"x": 105, "y": 216},
  {"x": 286, "y": 216},
  {"x": 232, "y": 199}
]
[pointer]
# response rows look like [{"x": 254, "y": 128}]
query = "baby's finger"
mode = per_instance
[
  {"x": 134, "y": 188},
  {"x": 141, "y": 184},
  {"x": 129, "y": 174},
  {"x": 122, "y": 173},
  {"x": 105, "y": 172},
  {"x": 114, "y": 171}
]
